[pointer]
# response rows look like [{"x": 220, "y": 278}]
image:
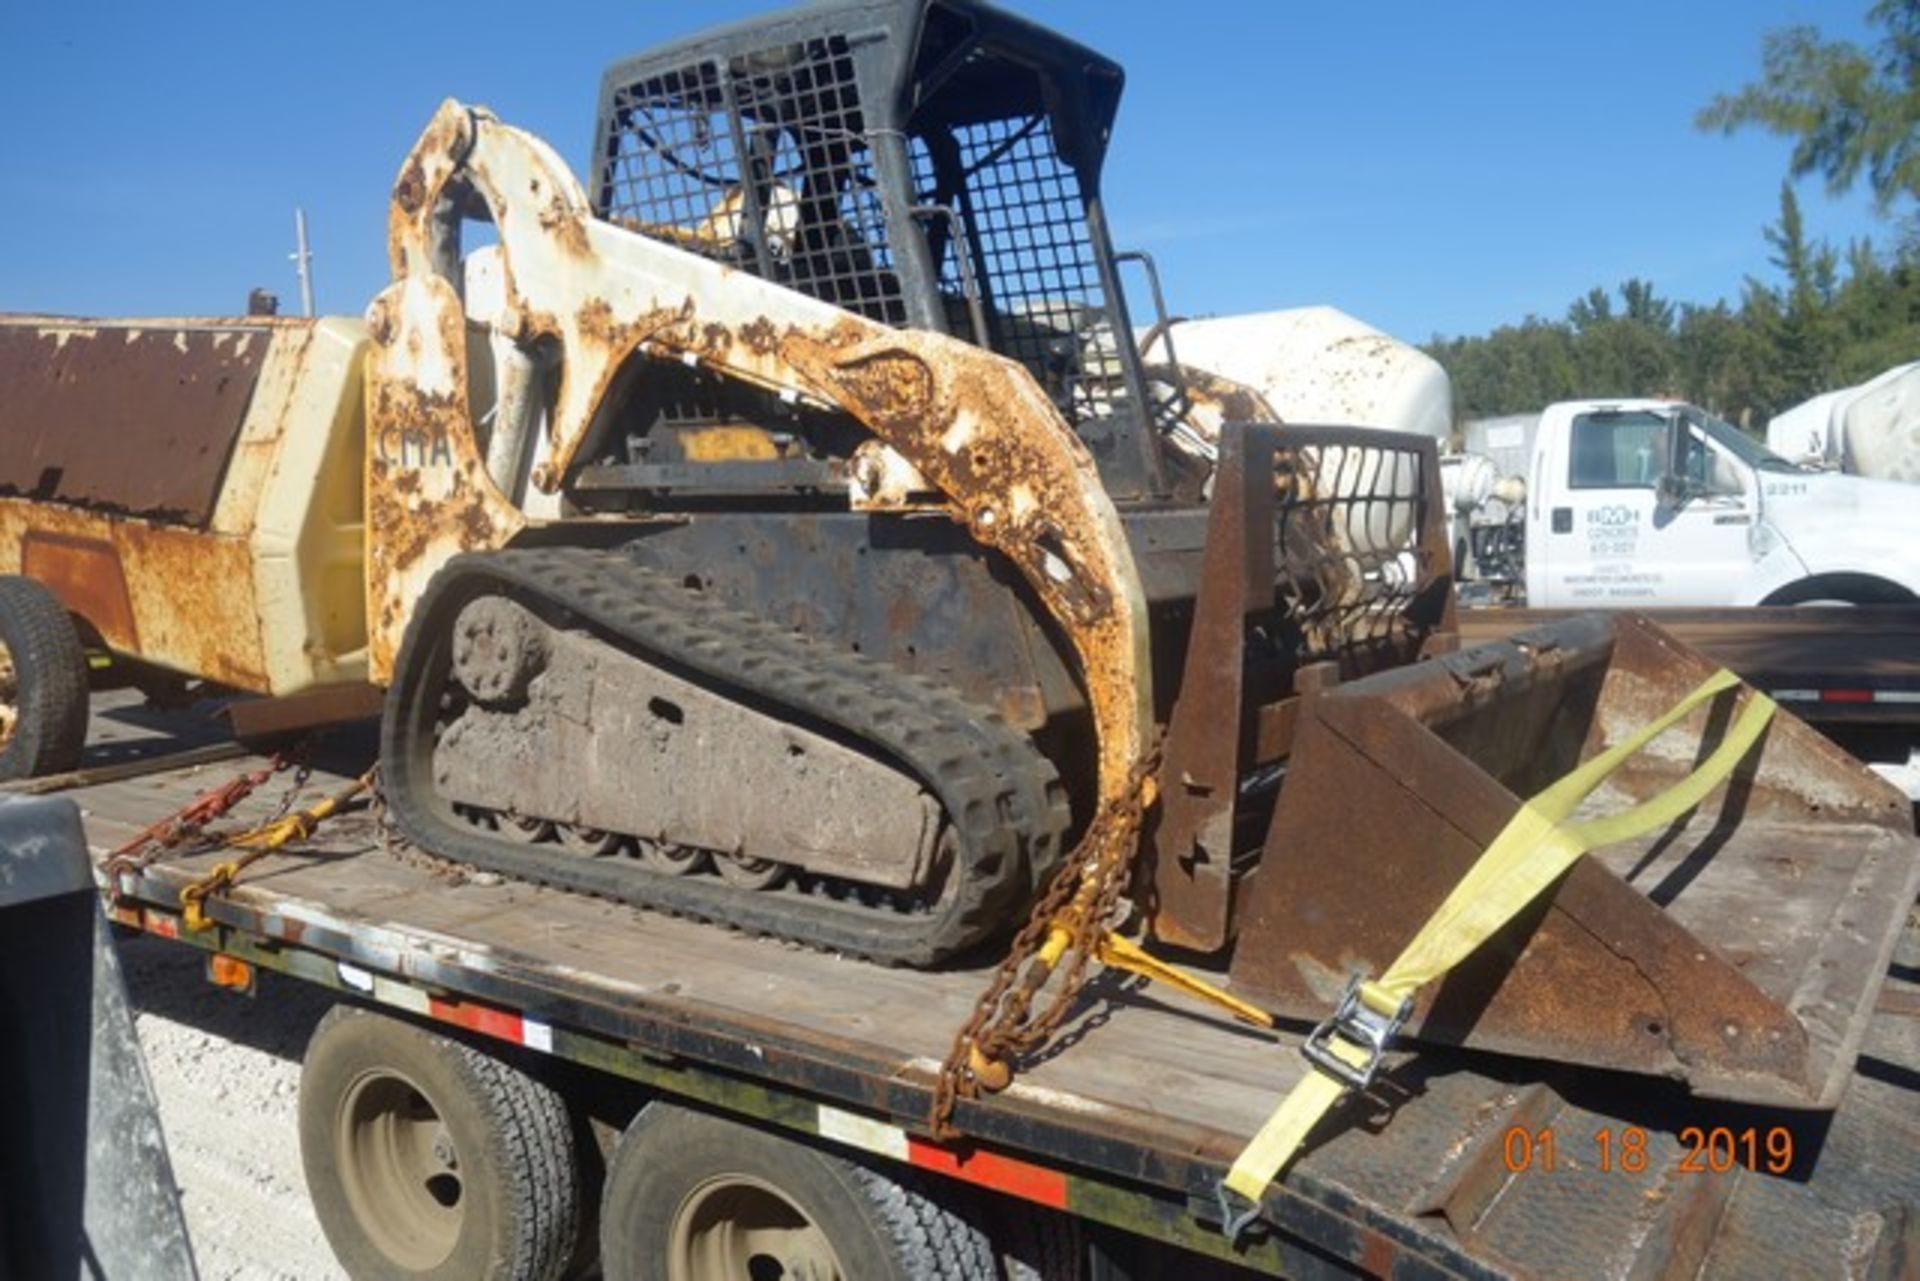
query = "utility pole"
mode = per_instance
[{"x": 303, "y": 260}]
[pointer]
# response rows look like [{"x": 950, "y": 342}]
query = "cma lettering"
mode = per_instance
[{"x": 412, "y": 447}]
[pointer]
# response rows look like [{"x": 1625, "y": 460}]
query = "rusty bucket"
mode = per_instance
[{"x": 1739, "y": 949}]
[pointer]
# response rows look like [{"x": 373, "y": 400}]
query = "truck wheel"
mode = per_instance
[
  {"x": 43, "y": 682},
  {"x": 692, "y": 1197},
  {"x": 427, "y": 1158}
]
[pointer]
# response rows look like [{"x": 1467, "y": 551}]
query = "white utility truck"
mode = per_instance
[
  {"x": 1654, "y": 504},
  {"x": 1658, "y": 505}
]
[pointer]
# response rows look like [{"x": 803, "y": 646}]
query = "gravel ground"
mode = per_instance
[{"x": 226, "y": 1069}]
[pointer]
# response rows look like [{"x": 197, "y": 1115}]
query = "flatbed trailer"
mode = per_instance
[
  {"x": 1454, "y": 1164},
  {"x": 1839, "y": 667}
]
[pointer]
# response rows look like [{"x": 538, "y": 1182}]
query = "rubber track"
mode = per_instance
[{"x": 1000, "y": 794}]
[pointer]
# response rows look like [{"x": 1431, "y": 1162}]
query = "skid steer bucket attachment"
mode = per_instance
[
  {"x": 1325, "y": 559},
  {"x": 1739, "y": 948}
]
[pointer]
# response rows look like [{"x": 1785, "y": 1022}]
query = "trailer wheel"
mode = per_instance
[
  {"x": 1038, "y": 1244},
  {"x": 427, "y": 1158},
  {"x": 692, "y": 1197},
  {"x": 43, "y": 682}
]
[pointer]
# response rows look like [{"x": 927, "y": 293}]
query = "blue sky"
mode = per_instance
[{"x": 1429, "y": 168}]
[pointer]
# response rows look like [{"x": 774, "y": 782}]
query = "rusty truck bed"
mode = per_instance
[{"x": 1454, "y": 1165}]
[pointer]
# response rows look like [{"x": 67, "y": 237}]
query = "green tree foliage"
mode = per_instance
[
  {"x": 1822, "y": 323},
  {"x": 1847, "y": 109},
  {"x": 1796, "y": 319},
  {"x": 1827, "y": 320}
]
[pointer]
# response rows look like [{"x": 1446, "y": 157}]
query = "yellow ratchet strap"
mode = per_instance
[
  {"x": 1532, "y": 851},
  {"x": 1121, "y": 954},
  {"x": 258, "y": 843}
]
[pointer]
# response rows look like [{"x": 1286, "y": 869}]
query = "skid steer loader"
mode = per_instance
[{"x": 786, "y": 531}]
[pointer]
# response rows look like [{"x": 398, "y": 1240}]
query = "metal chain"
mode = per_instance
[
  {"x": 1081, "y": 901},
  {"x": 390, "y": 838},
  {"x": 278, "y": 832},
  {"x": 185, "y": 828},
  {"x": 301, "y": 773}
]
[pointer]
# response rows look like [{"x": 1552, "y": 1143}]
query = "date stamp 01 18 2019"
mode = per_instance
[{"x": 1707, "y": 1150}]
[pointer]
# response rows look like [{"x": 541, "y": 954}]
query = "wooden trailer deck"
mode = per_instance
[{"x": 1130, "y": 1117}]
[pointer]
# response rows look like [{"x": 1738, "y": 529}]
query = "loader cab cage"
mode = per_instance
[{"x": 928, "y": 163}]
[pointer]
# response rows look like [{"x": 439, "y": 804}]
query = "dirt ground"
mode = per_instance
[{"x": 226, "y": 1069}]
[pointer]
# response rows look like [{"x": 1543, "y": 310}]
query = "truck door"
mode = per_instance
[{"x": 1612, "y": 541}]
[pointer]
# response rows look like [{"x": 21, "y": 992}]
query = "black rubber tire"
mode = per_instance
[
  {"x": 1038, "y": 1244},
  {"x": 882, "y": 1226},
  {"x": 520, "y": 1183},
  {"x": 51, "y": 669},
  {"x": 1841, "y": 589}
]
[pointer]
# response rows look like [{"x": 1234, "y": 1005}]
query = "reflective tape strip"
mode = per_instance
[
  {"x": 1845, "y": 695},
  {"x": 402, "y": 996},
  {"x": 503, "y": 1025},
  {"x": 985, "y": 1169},
  {"x": 1005, "y": 1174},
  {"x": 863, "y": 1132}
]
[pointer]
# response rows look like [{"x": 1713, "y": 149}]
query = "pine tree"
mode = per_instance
[{"x": 1847, "y": 109}]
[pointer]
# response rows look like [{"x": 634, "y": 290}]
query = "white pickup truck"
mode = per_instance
[{"x": 1654, "y": 504}]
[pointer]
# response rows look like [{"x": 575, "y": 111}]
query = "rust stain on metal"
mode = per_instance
[
  {"x": 1708, "y": 953},
  {"x": 411, "y": 191},
  {"x": 558, "y": 221},
  {"x": 761, "y": 336},
  {"x": 87, "y": 577},
  {"x": 1190, "y": 848},
  {"x": 90, "y": 410},
  {"x": 1214, "y": 399},
  {"x": 179, "y": 582},
  {"x": 971, "y": 425},
  {"x": 976, "y": 426}
]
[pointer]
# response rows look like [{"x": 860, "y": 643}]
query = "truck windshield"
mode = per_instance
[{"x": 1738, "y": 443}]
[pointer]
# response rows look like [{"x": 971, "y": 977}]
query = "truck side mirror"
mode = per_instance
[{"x": 1671, "y": 491}]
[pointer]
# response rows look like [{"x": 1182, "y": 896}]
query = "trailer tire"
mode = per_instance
[
  {"x": 691, "y": 1196},
  {"x": 426, "y": 1158},
  {"x": 43, "y": 682},
  {"x": 1038, "y": 1244}
]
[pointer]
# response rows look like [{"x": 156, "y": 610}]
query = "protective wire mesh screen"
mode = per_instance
[
  {"x": 783, "y": 188},
  {"x": 1027, "y": 220},
  {"x": 1351, "y": 561}
]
